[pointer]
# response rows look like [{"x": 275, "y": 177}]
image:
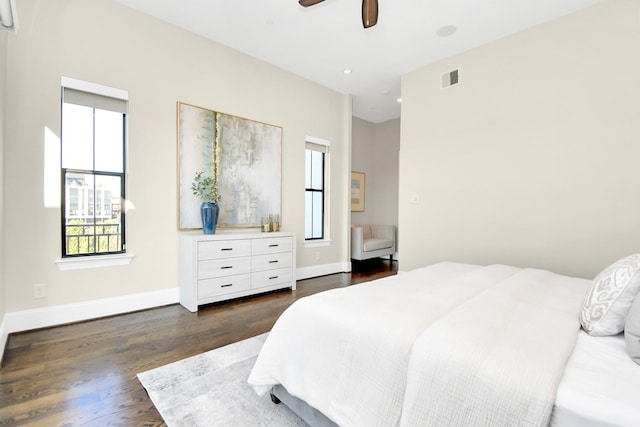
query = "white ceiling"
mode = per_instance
[{"x": 319, "y": 42}]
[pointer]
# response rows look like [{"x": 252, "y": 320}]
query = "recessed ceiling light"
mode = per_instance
[
  {"x": 347, "y": 71},
  {"x": 447, "y": 30},
  {"x": 399, "y": 99}
]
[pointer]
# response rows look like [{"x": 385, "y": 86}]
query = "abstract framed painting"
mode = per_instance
[
  {"x": 244, "y": 155},
  {"x": 357, "y": 192}
]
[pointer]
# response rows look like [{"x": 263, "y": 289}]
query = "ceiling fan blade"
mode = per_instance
[
  {"x": 307, "y": 3},
  {"x": 369, "y": 13}
]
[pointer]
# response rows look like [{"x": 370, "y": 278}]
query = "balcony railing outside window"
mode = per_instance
[{"x": 84, "y": 239}]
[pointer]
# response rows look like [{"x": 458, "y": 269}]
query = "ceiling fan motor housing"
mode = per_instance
[
  {"x": 369, "y": 13},
  {"x": 369, "y": 10}
]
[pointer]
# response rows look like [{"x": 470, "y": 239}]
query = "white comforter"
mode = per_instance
[{"x": 391, "y": 352}]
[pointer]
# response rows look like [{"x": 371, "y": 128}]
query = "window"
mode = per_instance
[
  {"x": 316, "y": 160},
  {"x": 93, "y": 137}
]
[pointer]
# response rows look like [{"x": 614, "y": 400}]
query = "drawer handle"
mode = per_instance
[
  {"x": 273, "y": 277},
  {"x": 275, "y": 245},
  {"x": 226, "y": 267},
  {"x": 226, "y": 249},
  {"x": 226, "y": 286},
  {"x": 273, "y": 262}
]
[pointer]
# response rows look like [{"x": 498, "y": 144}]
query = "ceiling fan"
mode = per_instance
[{"x": 369, "y": 10}]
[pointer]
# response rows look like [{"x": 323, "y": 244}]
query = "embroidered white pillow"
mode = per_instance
[{"x": 610, "y": 296}]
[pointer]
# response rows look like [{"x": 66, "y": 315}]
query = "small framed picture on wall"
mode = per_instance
[{"x": 357, "y": 192}]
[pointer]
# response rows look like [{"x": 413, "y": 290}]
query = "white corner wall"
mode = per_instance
[
  {"x": 106, "y": 43},
  {"x": 532, "y": 160},
  {"x": 3, "y": 298}
]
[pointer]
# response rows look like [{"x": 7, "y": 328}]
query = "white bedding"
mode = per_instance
[
  {"x": 600, "y": 386},
  {"x": 346, "y": 352},
  {"x": 356, "y": 375},
  {"x": 497, "y": 359}
]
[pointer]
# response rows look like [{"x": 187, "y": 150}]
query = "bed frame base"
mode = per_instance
[{"x": 302, "y": 409}]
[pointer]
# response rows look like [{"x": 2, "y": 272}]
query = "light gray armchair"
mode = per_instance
[{"x": 372, "y": 241}]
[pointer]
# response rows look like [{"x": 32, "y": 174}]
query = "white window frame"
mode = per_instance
[
  {"x": 326, "y": 241},
  {"x": 107, "y": 260}
]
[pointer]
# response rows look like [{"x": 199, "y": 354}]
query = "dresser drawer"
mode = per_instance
[
  {"x": 223, "y": 285},
  {"x": 223, "y": 267},
  {"x": 271, "y": 261},
  {"x": 223, "y": 249},
  {"x": 271, "y": 245},
  {"x": 262, "y": 279}
]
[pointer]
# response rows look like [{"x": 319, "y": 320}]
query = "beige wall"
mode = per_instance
[
  {"x": 386, "y": 169},
  {"x": 533, "y": 159},
  {"x": 103, "y": 42},
  {"x": 362, "y": 160},
  {"x": 374, "y": 151}
]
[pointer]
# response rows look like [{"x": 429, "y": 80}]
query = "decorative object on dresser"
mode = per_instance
[
  {"x": 209, "y": 213},
  {"x": 225, "y": 266},
  {"x": 244, "y": 156},
  {"x": 206, "y": 188},
  {"x": 271, "y": 223}
]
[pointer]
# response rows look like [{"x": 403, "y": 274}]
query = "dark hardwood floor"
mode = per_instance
[{"x": 85, "y": 373}]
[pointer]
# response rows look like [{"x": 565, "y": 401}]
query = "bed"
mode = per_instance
[{"x": 449, "y": 344}]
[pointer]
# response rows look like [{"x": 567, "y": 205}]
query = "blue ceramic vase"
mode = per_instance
[{"x": 209, "y": 213}]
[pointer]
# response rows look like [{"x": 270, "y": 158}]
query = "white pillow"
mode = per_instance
[
  {"x": 610, "y": 296},
  {"x": 632, "y": 331}
]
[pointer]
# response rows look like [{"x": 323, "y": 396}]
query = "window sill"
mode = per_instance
[
  {"x": 66, "y": 264},
  {"x": 317, "y": 243}
]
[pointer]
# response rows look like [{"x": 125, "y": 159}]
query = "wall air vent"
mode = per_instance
[{"x": 451, "y": 78}]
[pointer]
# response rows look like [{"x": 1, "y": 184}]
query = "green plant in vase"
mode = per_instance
[{"x": 206, "y": 188}]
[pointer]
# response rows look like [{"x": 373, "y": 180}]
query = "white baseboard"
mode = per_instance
[
  {"x": 322, "y": 270},
  {"x": 45, "y": 317},
  {"x": 25, "y": 320},
  {"x": 4, "y": 335}
]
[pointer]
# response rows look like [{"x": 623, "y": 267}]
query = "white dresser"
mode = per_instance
[{"x": 217, "y": 267}]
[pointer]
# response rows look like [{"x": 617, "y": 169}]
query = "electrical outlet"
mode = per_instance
[
  {"x": 39, "y": 291},
  {"x": 317, "y": 256}
]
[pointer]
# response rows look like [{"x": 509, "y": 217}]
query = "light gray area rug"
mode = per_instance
[{"x": 211, "y": 390}]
